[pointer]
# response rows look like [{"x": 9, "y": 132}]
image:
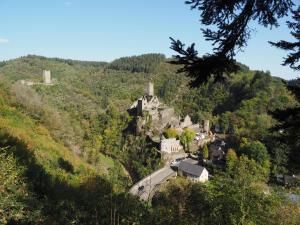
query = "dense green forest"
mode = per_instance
[{"x": 67, "y": 156}]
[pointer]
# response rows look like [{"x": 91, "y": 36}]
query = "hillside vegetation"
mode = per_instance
[{"x": 69, "y": 146}]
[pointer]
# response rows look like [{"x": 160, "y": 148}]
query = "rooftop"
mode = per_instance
[{"x": 191, "y": 169}]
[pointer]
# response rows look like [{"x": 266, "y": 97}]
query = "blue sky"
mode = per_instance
[{"x": 104, "y": 30}]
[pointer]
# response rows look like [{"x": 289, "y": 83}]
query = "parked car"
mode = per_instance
[{"x": 140, "y": 188}]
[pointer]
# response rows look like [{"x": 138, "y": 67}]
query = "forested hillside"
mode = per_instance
[{"x": 68, "y": 145}]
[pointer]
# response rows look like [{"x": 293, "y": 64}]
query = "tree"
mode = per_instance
[
  {"x": 279, "y": 157},
  {"x": 141, "y": 157},
  {"x": 171, "y": 133},
  {"x": 186, "y": 138},
  {"x": 294, "y": 47},
  {"x": 288, "y": 129},
  {"x": 289, "y": 119},
  {"x": 231, "y": 21},
  {"x": 247, "y": 171},
  {"x": 205, "y": 152},
  {"x": 257, "y": 151},
  {"x": 18, "y": 204},
  {"x": 114, "y": 123},
  {"x": 231, "y": 159}
]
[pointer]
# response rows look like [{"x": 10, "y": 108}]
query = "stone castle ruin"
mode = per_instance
[
  {"x": 155, "y": 117},
  {"x": 149, "y": 89},
  {"x": 170, "y": 145},
  {"x": 47, "y": 77},
  {"x": 46, "y": 80},
  {"x": 148, "y": 102}
]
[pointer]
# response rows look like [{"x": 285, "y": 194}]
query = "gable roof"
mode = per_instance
[{"x": 191, "y": 169}]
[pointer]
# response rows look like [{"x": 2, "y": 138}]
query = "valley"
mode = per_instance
[{"x": 80, "y": 139}]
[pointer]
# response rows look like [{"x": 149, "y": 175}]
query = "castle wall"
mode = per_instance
[
  {"x": 170, "y": 145},
  {"x": 206, "y": 126},
  {"x": 195, "y": 128},
  {"x": 186, "y": 122},
  {"x": 166, "y": 114},
  {"x": 139, "y": 107}
]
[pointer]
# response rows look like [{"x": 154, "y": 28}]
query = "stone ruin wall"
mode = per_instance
[{"x": 170, "y": 145}]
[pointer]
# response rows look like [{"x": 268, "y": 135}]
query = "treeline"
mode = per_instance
[
  {"x": 144, "y": 63},
  {"x": 70, "y": 62}
]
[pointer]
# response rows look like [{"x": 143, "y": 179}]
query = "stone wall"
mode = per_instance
[
  {"x": 147, "y": 103},
  {"x": 170, "y": 145},
  {"x": 206, "y": 126},
  {"x": 166, "y": 114},
  {"x": 186, "y": 122}
]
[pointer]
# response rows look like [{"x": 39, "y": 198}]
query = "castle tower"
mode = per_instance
[
  {"x": 47, "y": 76},
  {"x": 149, "y": 89},
  {"x": 206, "y": 126}
]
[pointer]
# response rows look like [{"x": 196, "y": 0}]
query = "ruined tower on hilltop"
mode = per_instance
[
  {"x": 47, "y": 77},
  {"x": 149, "y": 89}
]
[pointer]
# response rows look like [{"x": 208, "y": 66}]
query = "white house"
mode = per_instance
[{"x": 193, "y": 172}]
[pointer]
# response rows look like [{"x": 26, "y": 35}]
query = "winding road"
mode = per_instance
[{"x": 145, "y": 188}]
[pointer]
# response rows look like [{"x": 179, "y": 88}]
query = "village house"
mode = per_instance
[
  {"x": 192, "y": 172},
  {"x": 286, "y": 180},
  {"x": 217, "y": 150}
]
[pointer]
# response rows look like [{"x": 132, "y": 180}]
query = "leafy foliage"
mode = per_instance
[
  {"x": 205, "y": 152},
  {"x": 17, "y": 203},
  {"x": 141, "y": 158},
  {"x": 287, "y": 133},
  {"x": 201, "y": 68},
  {"x": 257, "y": 151},
  {"x": 171, "y": 133},
  {"x": 241, "y": 199},
  {"x": 231, "y": 159},
  {"x": 186, "y": 138}
]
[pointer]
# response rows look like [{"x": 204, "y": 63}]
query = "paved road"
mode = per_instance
[{"x": 145, "y": 187}]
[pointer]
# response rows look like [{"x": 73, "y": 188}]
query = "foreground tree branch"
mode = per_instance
[{"x": 229, "y": 31}]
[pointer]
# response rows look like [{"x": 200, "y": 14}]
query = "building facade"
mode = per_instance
[{"x": 170, "y": 145}]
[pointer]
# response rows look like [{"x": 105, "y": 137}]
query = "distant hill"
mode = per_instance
[{"x": 146, "y": 63}]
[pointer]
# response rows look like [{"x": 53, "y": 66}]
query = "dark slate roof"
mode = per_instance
[
  {"x": 288, "y": 179},
  {"x": 191, "y": 169},
  {"x": 219, "y": 142}
]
